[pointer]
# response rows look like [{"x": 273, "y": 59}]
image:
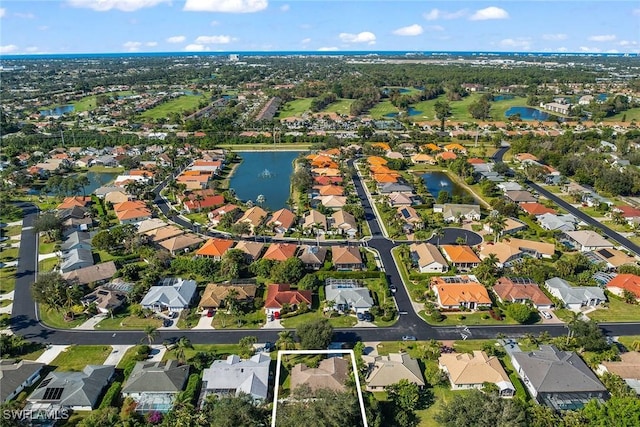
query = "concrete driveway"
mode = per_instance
[{"x": 116, "y": 355}]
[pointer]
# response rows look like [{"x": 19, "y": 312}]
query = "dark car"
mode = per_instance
[
  {"x": 167, "y": 323},
  {"x": 173, "y": 314},
  {"x": 368, "y": 317},
  {"x": 360, "y": 316},
  {"x": 408, "y": 338}
]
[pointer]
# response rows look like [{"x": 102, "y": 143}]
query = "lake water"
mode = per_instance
[
  {"x": 440, "y": 181},
  {"x": 527, "y": 113},
  {"x": 410, "y": 112},
  {"x": 498, "y": 98},
  {"x": 96, "y": 180},
  {"x": 267, "y": 173},
  {"x": 58, "y": 111}
]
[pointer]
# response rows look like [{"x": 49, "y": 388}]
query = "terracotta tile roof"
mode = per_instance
[
  {"x": 129, "y": 205},
  {"x": 432, "y": 147},
  {"x": 207, "y": 202},
  {"x": 455, "y": 147},
  {"x": 628, "y": 211},
  {"x": 452, "y": 294},
  {"x": 382, "y": 145},
  {"x": 283, "y": 217},
  {"x": 447, "y": 155},
  {"x": 214, "y": 294},
  {"x": 331, "y": 190},
  {"x": 133, "y": 213},
  {"x": 465, "y": 369},
  {"x": 254, "y": 216},
  {"x": 331, "y": 373},
  {"x": 346, "y": 255},
  {"x": 279, "y": 294},
  {"x": 280, "y": 251},
  {"x": 629, "y": 282},
  {"x": 326, "y": 172},
  {"x": 70, "y": 202},
  {"x": 381, "y": 178},
  {"x": 326, "y": 180},
  {"x": 253, "y": 249},
  {"x": 535, "y": 208},
  {"x": 507, "y": 290},
  {"x": 375, "y": 160},
  {"x": 215, "y": 247},
  {"x": 460, "y": 254}
]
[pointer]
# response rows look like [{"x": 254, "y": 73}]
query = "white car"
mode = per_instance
[{"x": 546, "y": 314}]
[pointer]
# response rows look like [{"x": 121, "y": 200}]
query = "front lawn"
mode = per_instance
[
  {"x": 8, "y": 254},
  {"x": 618, "y": 311},
  {"x": 5, "y": 302},
  {"x": 75, "y": 358},
  {"x": 470, "y": 318},
  {"x": 341, "y": 321},
  {"x": 563, "y": 314},
  {"x": 125, "y": 320},
  {"x": 47, "y": 264},
  {"x": 12, "y": 230},
  {"x": 55, "y": 319},
  {"x": 46, "y": 247},
  {"x": 252, "y": 320},
  {"x": 628, "y": 341},
  {"x": 414, "y": 348},
  {"x": 7, "y": 279}
]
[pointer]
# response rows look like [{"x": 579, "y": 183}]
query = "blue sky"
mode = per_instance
[{"x": 97, "y": 26}]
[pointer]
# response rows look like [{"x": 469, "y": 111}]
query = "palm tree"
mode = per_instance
[
  {"x": 83, "y": 181},
  {"x": 497, "y": 223},
  {"x": 198, "y": 199},
  {"x": 182, "y": 344},
  {"x": 260, "y": 199},
  {"x": 150, "y": 333},
  {"x": 286, "y": 341},
  {"x": 438, "y": 233}
]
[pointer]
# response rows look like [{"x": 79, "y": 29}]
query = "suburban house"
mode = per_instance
[
  {"x": 172, "y": 294},
  {"x": 251, "y": 249},
  {"x": 160, "y": 234},
  {"x": 453, "y": 212},
  {"x": 282, "y": 221},
  {"x": 314, "y": 222},
  {"x": 466, "y": 371},
  {"x": 558, "y": 379},
  {"x": 234, "y": 375},
  {"x": 78, "y": 391},
  {"x": 386, "y": 370},
  {"x": 520, "y": 196},
  {"x": 196, "y": 204},
  {"x": 181, "y": 244},
  {"x": 106, "y": 299},
  {"x": 625, "y": 282},
  {"x": 395, "y": 187},
  {"x": 575, "y": 297},
  {"x": 132, "y": 212},
  {"x": 427, "y": 258},
  {"x": 76, "y": 259},
  {"x": 347, "y": 258},
  {"x": 215, "y": 248},
  {"x": 16, "y": 376},
  {"x": 396, "y": 199},
  {"x": 456, "y": 292},
  {"x": 521, "y": 291},
  {"x": 511, "y": 226},
  {"x": 253, "y": 217},
  {"x": 98, "y": 273},
  {"x": 313, "y": 257},
  {"x": 344, "y": 223},
  {"x": 509, "y": 251},
  {"x": 331, "y": 374},
  {"x": 411, "y": 218},
  {"x": 216, "y": 215},
  {"x": 280, "y": 294},
  {"x": 611, "y": 258},
  {"x": 215, "y": 294},
  {"x": 332, "y": 202},
  {"x": 76, "y": 240},
  {"x": 628, "y": 368},
  {"x": 532, "y": 248},
  {"x": 536, "y": 209},
  {"x": 461, "y": 256},
  {"x": 155, "y": 385},
  {"x": 348, "y": 295},
  {"x": 553, "y": 222},
  {"x": 280, "y": 251},
  {"x": 587, "y": 240}
]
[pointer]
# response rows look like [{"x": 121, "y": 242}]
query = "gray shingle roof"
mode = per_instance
[
  {"x": 160, "y": 377},
  {"x": 13, "y": 374},
  {"x": 78, "y": 388},
  {"x": 250, "y": 376}
]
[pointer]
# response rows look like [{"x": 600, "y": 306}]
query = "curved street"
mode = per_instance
[{"x": 24, "y": 319}]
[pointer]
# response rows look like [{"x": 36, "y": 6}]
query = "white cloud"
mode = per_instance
[
  {"x": 435, "y": 14},
  {"x": 435, "y": 28},
  {"x": 285, "y": 8},
  {"x": 214, "y": 39},
  {"x": 627, "y": 43},
  {"x": 328, "y": 49},
  {"x": 306, "y": 41},
  {"x": 602, "y": 38},
  {"x": 411, "y": 30},
  {"x": 196, "y": 47},
  {"x": 151, "y": 44},
  {"x": 518, "y": 43},
  {"x": 123, "y": 5},
  {"x": 554, "y": 37},
  {"x": 25, "y": 15},
  {"x": 3, "y": 12},
  {"x": 589, "y": 49},
  {"x": 176, "y": 39},
  {"x": 228, "y": 6},
  {"x": 132, "y": 46},
  {"x": 8, "y": 48},
  {"x": 363, "y": 37},
  {"x": 562, "y": 49},
  {"x": 32, "y": 49},
  {"x": 490, "y": 12}
]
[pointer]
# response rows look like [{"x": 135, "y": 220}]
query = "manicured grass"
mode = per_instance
[
  {"x": 381, "y": 109},
  {"x": 341, "y": 106},
  {"x": 621, "y": 228},
  {"x": 55, "y": 318},
  {"x": 198, "y": 217},
  {"x": 442, "y": 395},
  {"x": 628, "y": 341},
  {"x": 499, "y": 108},
  {"x": 630, "y": 114},
  {"x": 251, "y": 320},
  {"x": 336, "y": 322},
  {"x": 12, "y": 230},
  {"x": 46, "y": 247},
  {"x": 618, "y": 311},
  {"x": 47, "y": 264},
  {"x": 295, "y": 108},
  {"x": 472, "y": 319},
  {"x": 468, "y": 346},
  {"x": 105, "y": 169},
  {"x": 5, "y": 302},
  {"x": 75, "y": 358},
  {"x": 414, "y": 348},
  {"x": 563, "y": 314},
  {"x": 176, "y": 105},
  {"x": 89, "y": 102},
  {"x": 103, "y": 256},
  {"x": 7, "y": 279},
  {"x": 218, "y": 350},
  {"x": 125, "y": 320},
  {"x": 8, "y": 254},
  {"x": 33, "y": 355}
]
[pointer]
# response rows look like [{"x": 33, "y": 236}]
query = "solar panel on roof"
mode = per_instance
[
  {"x": 405, "y": 213},
  {"x": 605, "y": 253},
  {"x": 53, "y": 393}
]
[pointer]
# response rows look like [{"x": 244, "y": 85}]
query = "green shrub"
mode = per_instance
[
  {"x": 112, "y": 396},
  {"x": 191, "y": 392},
  {"x": 436, "y": 316}
]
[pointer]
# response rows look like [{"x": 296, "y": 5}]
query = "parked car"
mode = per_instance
[
  {"x": 408, "y": 338},
  {"x": 546, "y": 314},
  {"x": 368, "y": 317},
  {"x": 209, "y": 313},
  {"x": 167, "y": 323},
  {"x": 393, "y": 289},
  {"x": 173, "y": 314}
]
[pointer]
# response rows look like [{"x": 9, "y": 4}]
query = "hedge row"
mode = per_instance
[
  {"x": 192, "y": 391},
  {"x": 112, "y": 396}
]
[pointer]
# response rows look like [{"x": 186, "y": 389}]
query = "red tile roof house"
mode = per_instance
[
  {"x": 280, "y": 294},
  {"x": 206, "y": 203},
  {"x": 282, "y": 221},
  {"x": 280, "y": 251},
  {"x": 622, "y": 282},
  {"x": 521, "y": 291}
]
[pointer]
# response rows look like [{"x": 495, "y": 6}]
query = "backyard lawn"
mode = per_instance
[
  {"x": 46, "y": 247},
  {"x": 176, "y": 105},
  {"x": 218, "y": 350},
  {"x": 618, "y": 311},
  {"x": 75, "y": 358},
  {"x": 295, "y": 108},
  {"x": 441, "y": 395}
]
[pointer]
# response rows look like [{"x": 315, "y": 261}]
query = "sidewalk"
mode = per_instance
[
  {"x": 116, "y": 355},
  {"x": 14, "y": 223},
  {"x": 90, "y": 323},
  {"x": 51, "y": 353},
  {"x": 47, "y": 256}
]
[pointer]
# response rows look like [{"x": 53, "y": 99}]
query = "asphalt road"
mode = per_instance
[{"x": 24, "y": 320}]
